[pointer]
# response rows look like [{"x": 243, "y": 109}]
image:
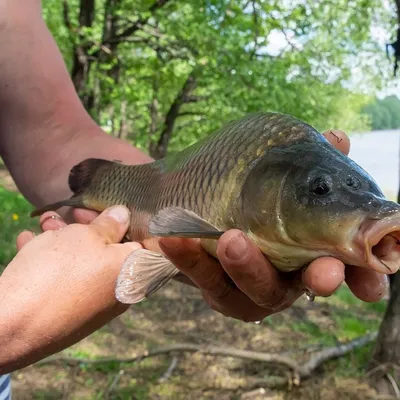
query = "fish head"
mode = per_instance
[{"x": 310, "y": 200}]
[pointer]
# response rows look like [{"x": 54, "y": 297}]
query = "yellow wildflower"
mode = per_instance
[{"x": 15, "y": 217}]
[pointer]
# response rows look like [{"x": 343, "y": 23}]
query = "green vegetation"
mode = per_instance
[
  {"x": 14, "y": 218},
  {"x": 384, "y": 113},
  {"x": 187, "y": 68}
]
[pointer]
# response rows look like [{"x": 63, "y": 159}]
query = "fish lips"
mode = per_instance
[{"x": 377, "y": 242}]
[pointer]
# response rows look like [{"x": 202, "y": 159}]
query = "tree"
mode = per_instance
[
  {"x": 164, "y": 73},
  {"x": 384, "y": 113}
]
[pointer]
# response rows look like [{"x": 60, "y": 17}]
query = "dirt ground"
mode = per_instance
[{"x": 179, "y": 315}]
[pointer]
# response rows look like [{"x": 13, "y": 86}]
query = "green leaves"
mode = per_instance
[
  {"x": 385, "y": 113},
  {"x": 246, "y": 56}
]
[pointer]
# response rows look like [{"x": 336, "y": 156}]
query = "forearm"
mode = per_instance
[
  {"x": 73, "y": 296},
  {"x": 29, "y": 333},
  {"x": 44, "y": 129}
]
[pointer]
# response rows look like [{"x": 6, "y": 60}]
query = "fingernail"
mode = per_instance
[
  {"x": 119, "y": 213},
  {"x": 171, "y": 243},
  {"x": 237, "y": 247}
]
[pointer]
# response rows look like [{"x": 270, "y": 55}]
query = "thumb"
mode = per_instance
[{"x": 112, "y": 224}]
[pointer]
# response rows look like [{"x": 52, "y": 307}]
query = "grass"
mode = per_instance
[{"x": 14, "y": 218}]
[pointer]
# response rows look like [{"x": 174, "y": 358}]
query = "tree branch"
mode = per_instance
[
  {"x": 298, "y": 371},
  {"x": 194, "y": 113},
  {"x": 67, "y": 19},
  {"x": 334, "y": 352},
  {"x": 86, "y": 13},
  {"x": 159, "y": 149},
  {"x": 141, "y": 21},
  {"x": 168, "y": 373},
  {"x": 256, "y": 29},
  {"x": 195, "y": 99}
]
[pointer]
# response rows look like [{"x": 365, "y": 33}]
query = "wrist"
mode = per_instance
[{"x": 84, "y": 142}]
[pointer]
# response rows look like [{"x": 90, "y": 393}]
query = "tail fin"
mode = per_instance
[
  {"x": 79, "y": 180},
  {"x": 73, "y": 202}
]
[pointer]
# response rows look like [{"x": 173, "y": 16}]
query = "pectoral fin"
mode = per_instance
[
  {"x": 176, "y": 221},
  {"x": 142, "y": 274}
]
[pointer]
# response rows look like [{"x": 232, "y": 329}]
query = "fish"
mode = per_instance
[{"x": 269, "y": 174}]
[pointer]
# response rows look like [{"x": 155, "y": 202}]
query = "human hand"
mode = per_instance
[
  {"x": 60, "y": 287},
  {"x": 242, "y": 284},
  {"x": 259, "y": 289}
]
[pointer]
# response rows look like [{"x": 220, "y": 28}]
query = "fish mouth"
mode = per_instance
[{"x": 379, "y": 241}]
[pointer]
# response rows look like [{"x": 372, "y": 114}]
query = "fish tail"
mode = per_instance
[
  {"x": 80, "y": 179},
  {"x": 75, "y": 201}
]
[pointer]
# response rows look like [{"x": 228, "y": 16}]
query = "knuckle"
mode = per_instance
[
  {"x": 222, "y": 292},
  {"x": 191, "y": 263},
  {"x": 211, "y": 302},
  {"x": 268, "y": 302},
  {"x": 220, "y": 289},
  {"x": 269, "y": 297}
]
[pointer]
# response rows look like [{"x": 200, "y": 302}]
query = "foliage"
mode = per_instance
[
  {"x": 384, "y": 113},
  {"x": 165, "y": 73},
  {"x": 14, "y": 218}
]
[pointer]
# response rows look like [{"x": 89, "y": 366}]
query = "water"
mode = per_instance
[{"x": 378, "y": 153}]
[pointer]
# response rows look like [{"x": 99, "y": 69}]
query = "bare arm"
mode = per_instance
[{"x": 44, "y": 129}]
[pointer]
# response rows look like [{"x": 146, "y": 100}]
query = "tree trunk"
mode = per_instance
[
  {"x": 81, "y": 60},
  {"x": 124, "y": 125},
  {"x": 384, "y": 365},
  {"x": 159, "y": 149}
]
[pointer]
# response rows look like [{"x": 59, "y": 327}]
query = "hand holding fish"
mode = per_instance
[
  {"x": 244, "y": 285},
  {"x": 81, "y": 263},
  {"x": 59, "y": 287}
]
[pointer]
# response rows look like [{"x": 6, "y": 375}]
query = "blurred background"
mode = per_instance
[{"x": 162, "y": 74}]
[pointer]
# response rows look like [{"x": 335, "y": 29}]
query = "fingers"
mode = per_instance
[
  {"x": 338, "y": 139},
  {"x": 83, "y": 216},
  {"x": 324, "y": 276},
  {"x": 237, "y": 305},
  {"x": 253, "y": 274},
  {"x": 366, "y": 284},
  {"x": 23, "y": 238},
  {"x": 51, "y": 221},
  {"x": 205, "y": 271},
  {"x": 112, "y": 224}
]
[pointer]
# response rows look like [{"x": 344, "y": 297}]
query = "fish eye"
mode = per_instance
[
  {"x": 321, "y": 186},
  {"x": 353, "y": 182}
]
